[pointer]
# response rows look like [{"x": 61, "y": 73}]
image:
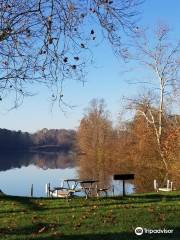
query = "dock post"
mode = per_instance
[
  {"x": 124, "y": 193},
  {"x": 113, "y": 190},
  {"x": 31, "y": 190},
  {"x": 47, "y": 189}
]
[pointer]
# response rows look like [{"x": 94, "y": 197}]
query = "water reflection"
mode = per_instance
[
  {"x": 41, "y": 160},
  {"x": 18, "y": 181},
  {"x": 18, "y": 171},
  {"x": 145, "y": 173}
]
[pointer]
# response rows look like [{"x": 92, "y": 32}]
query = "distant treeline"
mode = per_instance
[{"x": 43, "y": 140}]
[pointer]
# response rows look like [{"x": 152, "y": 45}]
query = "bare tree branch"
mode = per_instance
[{"x": 47, "y": 42}]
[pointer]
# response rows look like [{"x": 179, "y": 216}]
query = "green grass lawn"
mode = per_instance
[{"x": 81, "y": 219}]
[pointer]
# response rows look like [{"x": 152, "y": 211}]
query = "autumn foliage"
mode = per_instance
[{"x": 105, "y": 150}]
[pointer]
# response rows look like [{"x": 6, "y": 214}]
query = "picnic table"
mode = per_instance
[
  {"x": 72, "y": 183},
  {"x": 86, "y": 185}
]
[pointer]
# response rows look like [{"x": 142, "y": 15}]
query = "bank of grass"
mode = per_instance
[{"x": 80, "y": 219}]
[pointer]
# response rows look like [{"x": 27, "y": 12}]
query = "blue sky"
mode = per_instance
[{"x": 104, "y": 80}]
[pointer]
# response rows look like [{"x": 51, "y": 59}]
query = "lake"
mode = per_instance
[{"x": 19, "y": 171}]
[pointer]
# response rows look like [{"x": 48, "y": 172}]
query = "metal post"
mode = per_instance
[
  {"x": 124, "y": 193},
  {"x": 32, "y": 190},
  {"x": 113, "y": 190},
  {"x": 49, "y": 189},
  {"x": 171, "y": 186},
  {"x": 155, "y": 185}
]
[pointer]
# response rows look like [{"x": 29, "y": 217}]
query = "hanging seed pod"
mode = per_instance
[
  {"x": 73, "y": 67},
  {"x": 65, "y": 59}
]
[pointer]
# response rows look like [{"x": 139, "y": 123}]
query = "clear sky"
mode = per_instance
[{"x": 104, "y": 80}]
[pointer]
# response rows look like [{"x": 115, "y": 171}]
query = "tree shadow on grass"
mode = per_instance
[
  {"x": 147, "y": 198},
  {"x": 51, "y": 231},
  {"x": 158, "y": 195},
  {"x": 30, "y": 204},
  {"x": 107, "y": 236},
  {"x": 113, "y": 236},
  {"x": 24, "y": 201}
]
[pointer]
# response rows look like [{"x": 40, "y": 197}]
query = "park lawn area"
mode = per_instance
[{"x": 81, "y": 219}]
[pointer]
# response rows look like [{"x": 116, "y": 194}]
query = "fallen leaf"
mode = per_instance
[{"x": 42, "y": 229}]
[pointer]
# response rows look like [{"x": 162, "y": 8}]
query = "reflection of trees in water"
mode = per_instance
[
  {"x": 89, "y": 170},
  {"x": 13, "y": 160},
  {"x": 144, "y": 177},
  {"x": 144, "y": 174},
  {"x": 54, "y": 160},
  {"x": 42, "y": 160}
]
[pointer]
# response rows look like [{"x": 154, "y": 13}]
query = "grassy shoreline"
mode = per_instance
[{"x": 80, "y": 219}]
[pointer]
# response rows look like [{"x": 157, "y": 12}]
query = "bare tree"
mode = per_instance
[
  {"x": 163, "y": 60},
  {"x": 49, "y": 41}
]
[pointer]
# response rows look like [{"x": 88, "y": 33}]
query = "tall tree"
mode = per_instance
[
  {"x": 48, "y": 41},
  {"x": 95, "y": 140},
  {"x": 162, "y": 58}
]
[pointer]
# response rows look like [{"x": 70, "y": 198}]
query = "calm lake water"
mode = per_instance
[{"x": 19, "y": 171}]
